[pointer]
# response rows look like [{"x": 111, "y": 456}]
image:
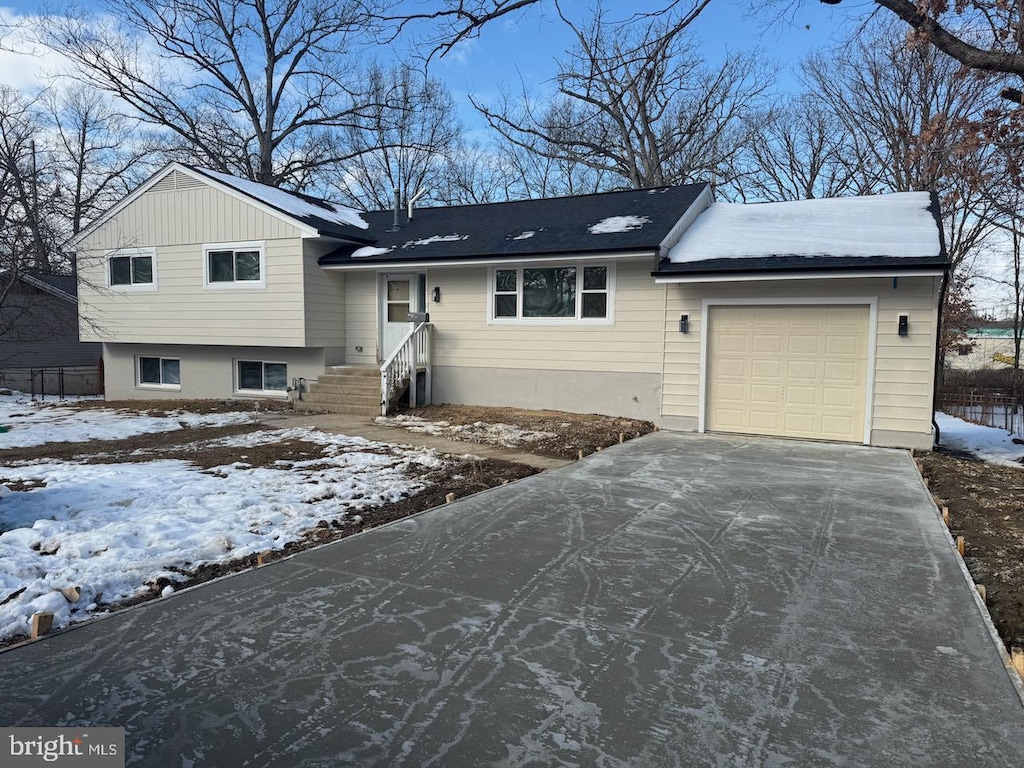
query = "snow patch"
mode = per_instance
[
  {"x": 369, "y": 250},
  {"x": 895, "y": 225},
  {"x": 524, "y": 235},
  {"x": 504, "y": 435},
  {"x": 989, "y": 444},
  {"x": 435, "y": 239},
  {"x": 614, "y": 224},
  {"x": 291, "y": 203}
]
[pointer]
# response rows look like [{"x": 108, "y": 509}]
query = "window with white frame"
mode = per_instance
[
  {"x": 234, "y": 264},
  {"x": 261, "y": 376},
  {"x": 159, "y": 372},
  {"x": 133, "y": 267},
  {"x": 562, "y": 293}
]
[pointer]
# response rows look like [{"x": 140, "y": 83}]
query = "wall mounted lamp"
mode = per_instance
[
  {"x": 684, "y": 323},
  {"x": 904, "y": 325},
  {"x": 437, "y": 294}
]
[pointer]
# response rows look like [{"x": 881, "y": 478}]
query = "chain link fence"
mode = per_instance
[{"x": 58, "y": 382}]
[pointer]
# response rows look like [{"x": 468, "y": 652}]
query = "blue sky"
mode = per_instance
[{"x": 526, "y": 45}]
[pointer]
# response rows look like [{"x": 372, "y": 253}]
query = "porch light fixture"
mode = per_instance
[
  {"x": 904, "y": 325},
  {"x": 684, "y": 323},
  {"x": 437, "y": 294}
]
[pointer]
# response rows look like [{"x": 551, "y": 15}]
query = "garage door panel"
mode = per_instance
[
  {"x": 803, "y": 371},
  {"x": 801, "y": 344},
  {"x": 801, "y": 395},
  {"x": 766, "y": 369}
]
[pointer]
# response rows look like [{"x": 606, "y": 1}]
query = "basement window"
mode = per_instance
[
  {"x": 261, "y": 377},
  {"x": 159, "y": 372}
]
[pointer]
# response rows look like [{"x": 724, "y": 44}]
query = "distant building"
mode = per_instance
[{"x": 993, "y": 351}]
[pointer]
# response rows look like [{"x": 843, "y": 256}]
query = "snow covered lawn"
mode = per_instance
[
  {"x": 35, "y": 423},
  {"x": 505, "y": 435},
  {"x": 987, "y": 443},
  {"x": 116, "y": 527}
]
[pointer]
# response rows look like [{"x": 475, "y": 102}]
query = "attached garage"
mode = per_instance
[
  {"x": 788, "y": 370},
  {"x": 813, "y": 319}
]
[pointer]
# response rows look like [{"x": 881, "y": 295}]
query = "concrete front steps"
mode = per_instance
[{"x": 353, "y": 390}]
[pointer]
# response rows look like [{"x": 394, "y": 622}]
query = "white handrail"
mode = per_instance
[{"x": 402, "y": 364}]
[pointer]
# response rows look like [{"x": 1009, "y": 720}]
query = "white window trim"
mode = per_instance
[
  {"x": 608, "y": 319},
  {"x": 132, "y": 287},
  {"x": 243, "y": 285},
  {"x": 282, "y": 393},
  {"x": 140, "y": 384},
  {"x": 869, "y": 383}
]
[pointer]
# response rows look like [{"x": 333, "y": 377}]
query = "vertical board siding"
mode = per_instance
[
  {"x": 361, "y": 317},
  {"x": 181, "y": 310},
  {"x": 904, "y": 366},
  {"x": 462, "y": 336},
  {"x": 325, "y": 299}
]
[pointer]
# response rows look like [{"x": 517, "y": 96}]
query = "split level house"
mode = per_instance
[{"x": 814, "y": 319}]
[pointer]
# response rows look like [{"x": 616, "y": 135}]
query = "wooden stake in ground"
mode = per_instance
[
  {"x": 945, "y": 516},
  {"x": 72, "y": 594},
  {"x": 262, "y": 558},
  {"x": 961, "y": 545},
  {"x": 622, "y": 437},
  {"x": 581, "y": 453},
  {"x": 1017, "y": 659},
  {"x": 41, "y": 623},
  {"x": 982, "y": 592},
  {"x": 449, "y": 498}
]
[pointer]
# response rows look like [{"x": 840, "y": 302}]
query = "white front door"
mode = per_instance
[{"x": 399, "y": 295}]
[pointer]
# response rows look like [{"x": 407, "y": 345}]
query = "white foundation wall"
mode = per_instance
[{"x": 206, "y": 371}]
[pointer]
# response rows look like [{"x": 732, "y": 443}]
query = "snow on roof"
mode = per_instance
[
  {"x": 369, "y": 250},
  {"x": 899, "y": 224},
  {"x": 435, "y": 239},
  {"x": 614, "y": 224},
  {"x": 300, "y": 206}
]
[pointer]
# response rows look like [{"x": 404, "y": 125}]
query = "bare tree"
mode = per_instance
[
  {"x": 401, "y": 143},
  {"x": 906, "y": 115},
  {"x": 257, "y": 88},
  {"x": 638, "y": 105},
  {"x": 797, "y": 151},
  {"x": 98, "y": 154}
]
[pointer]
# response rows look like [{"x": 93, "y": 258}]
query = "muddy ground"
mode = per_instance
[{"x": 986, "y": 507}]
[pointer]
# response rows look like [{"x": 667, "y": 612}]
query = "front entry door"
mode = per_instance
[{"x": 399, "y": 295}]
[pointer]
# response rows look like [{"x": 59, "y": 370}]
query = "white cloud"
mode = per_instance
[{"x": 26, "y": 65}]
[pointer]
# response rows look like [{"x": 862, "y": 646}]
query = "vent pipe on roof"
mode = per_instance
[
  {"x": 398, "y": 204},
  {"x": 422, "y": 191}
]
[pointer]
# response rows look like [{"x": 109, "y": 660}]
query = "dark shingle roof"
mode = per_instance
[
  {"x": 63, "y": 283},
  {"x": 631, "y": 220}
]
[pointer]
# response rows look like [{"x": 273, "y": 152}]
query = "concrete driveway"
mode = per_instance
[{"x": 677, "y": 600}]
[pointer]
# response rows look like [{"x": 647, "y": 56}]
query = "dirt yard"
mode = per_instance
[{"x": 986, "y": 507}]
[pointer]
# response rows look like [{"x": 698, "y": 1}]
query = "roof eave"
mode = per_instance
[{"x": 485, "y": 260}]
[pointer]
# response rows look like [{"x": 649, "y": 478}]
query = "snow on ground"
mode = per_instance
[
  {"x": 111, "y": 528},
  {"x": 987, "y": 443},
  {"x": 479, "y": 432},
  {"x": 34, "y": 423}
]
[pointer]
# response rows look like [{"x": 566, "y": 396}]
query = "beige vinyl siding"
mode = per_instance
[
  {"x": 196, "y": 215},
  {"x": 182, "y": 310},
  {"x": 463, "y": 337},
  {"x": 904, "y": 366},
  {"x": 361, "y": 317},
  {"x": 325, "y": 299}
]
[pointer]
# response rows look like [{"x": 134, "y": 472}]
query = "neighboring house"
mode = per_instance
[
  {"x": 39, "y": 322},
  {"x": 815, "y": 319},
  {"x": 992, "y": 351}
]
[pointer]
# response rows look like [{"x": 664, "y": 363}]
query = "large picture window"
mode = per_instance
[
  {"x": 234, "y": 264},
  {"x": 551, "y": 293},
  {"x": 131, "y": 268},
  {"x": 261, "y": 376},
  {"x": 159, "y": 371}
]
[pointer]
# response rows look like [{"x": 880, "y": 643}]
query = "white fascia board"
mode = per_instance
[
  {"x": 509, "y": 260},
  {"x": 688, "y": 217},
  {"x": 747, "y": 277}
]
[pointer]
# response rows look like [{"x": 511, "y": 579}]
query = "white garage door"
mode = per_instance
[{"x": 791, "y": 371}]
